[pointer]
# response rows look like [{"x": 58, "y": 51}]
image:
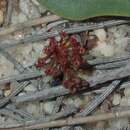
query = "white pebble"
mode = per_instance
[
  {"x": 116, "y": 99},
  {"x": 101, "y": 34},
  {"x": 29, "y": 9},
  {"x": 127, "y": 92},
  {"x": 30, "y": 88},
  {"x": 2, "y": 120},
  {"x": 125, "y": 101},
  {"x": 22, "y": 94},
  {"x": 6, "y": 67},
  {"x": 75, "y": 101},
  {"x": 58, "y": 38},
  {"x": 22, "y": 18},
  {"x": 103, "y": 49},
  {"x": 18, "y": 18},
  {"x": 48, "y": 107},
  {"x": 10, "y": 121},
  {"x": 119, "y": 124},
  {"x": 7, "y": 93},
  {"x": 78, "y": 102},
  {"x": 33, "y": 108}
]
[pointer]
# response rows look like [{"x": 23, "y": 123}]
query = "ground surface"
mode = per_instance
[{"x": 28, "y": 94}]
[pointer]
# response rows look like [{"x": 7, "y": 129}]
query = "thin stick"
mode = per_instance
[
  {"x": 106, "y": 60},
  {"x": 21, "y": 77},
  {"x": 21, "y": 85},
  {"x": 92, "y": 105},
  {"x": 14, "y": 93},
  {"x": 112, "y": 65},
  {"x": 42, "y": 95},
  {"x": 110, "y": 75},
  {"x": 58, "y": 91},
  {"x": 98, "y": 100},
  {"x": 35, "y": 38},
  {"x": 28, "y": 23},
  {"x": 24, "y": 114},
  {"x": 69, "y": 121},
  {"x": 9, "y": 12}
]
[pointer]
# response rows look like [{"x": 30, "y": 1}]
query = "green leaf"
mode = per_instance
[{"x": 84, "y": 9}]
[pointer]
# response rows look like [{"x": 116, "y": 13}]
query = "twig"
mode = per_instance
[
  {"x": 42, "y": 95},
  {"x": 47, "y": 94},
  {"x": 17, "y": 65},
  {"x": 28, "y": 23},
  {"x": 69, "y": 121},
  {"x": 98, "y": 100},
  {"x": 99, "y": 91},
  {"x": 19, "y": 88},
  {"x": 35, "y": 38},
  {"x": 112, "y": 65},
  {"x": 57, "y": 105},
  {"x": 92, "y": 105},
  {"x": 59, "y": 91},
  {"x": 9, "y": 12},
  {"x": 104, "y": 60},
  {"x": 25, "y": 115},
  {"x": 21, "y": 77},
  {"x": 69, "y": 110},
  {"x": 110, "y": 75},
  {"x": 11, "y": 114}
]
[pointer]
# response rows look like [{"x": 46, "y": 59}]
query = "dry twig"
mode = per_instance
[
  {"x": 27, "y": 24},
  {"x": 68, "y": 121},
  {"x": 35, "y": 38}
]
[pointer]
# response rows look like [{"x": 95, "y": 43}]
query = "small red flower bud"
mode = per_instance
[
  {"x": 49, "y": 71},
  {"x": 77, "y": 80},
  {"x": 63, "y": 34},
  {"x": 66, "y": 84},
  {"x": 40, "y": 63},
  {"x": 73, "y": 90},
  {"x": 82, "y": 50},
  {"x": 53, "y": 43},
  {"x": 73, "y": 42}
]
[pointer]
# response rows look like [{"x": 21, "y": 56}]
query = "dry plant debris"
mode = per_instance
[{"x": 60, "y": 74}]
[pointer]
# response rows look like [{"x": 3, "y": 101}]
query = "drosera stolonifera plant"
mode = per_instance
[{"x": 64, "y": 58}]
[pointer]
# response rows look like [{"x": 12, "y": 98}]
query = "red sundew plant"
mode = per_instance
[{"x": 64, "y": 57}]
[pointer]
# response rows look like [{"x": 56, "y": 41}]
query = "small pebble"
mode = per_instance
[
  {"x": 30, "y": 88},
  {"x": 2, "y": 120},
  {"x": 103, "y": 49},
  {"x": 116, "y": 99},
  {"x": 7, "y": 93},
  {"x": 101, "y": 34},
  {"x": 78, "y": 102},
  {"x": 22, "y": 94},
  {"x": 10, "y": 121},
  {"x": 48, "y": 107},
  {"x": 33, "y": 108},
  {"x": 119, "y": 124},
  {"x": 127, "y": 92},
  {"x": 29, "y": 9},
  {"x": 18, "y": 18},
  {"x": 125, "y": 101}
]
